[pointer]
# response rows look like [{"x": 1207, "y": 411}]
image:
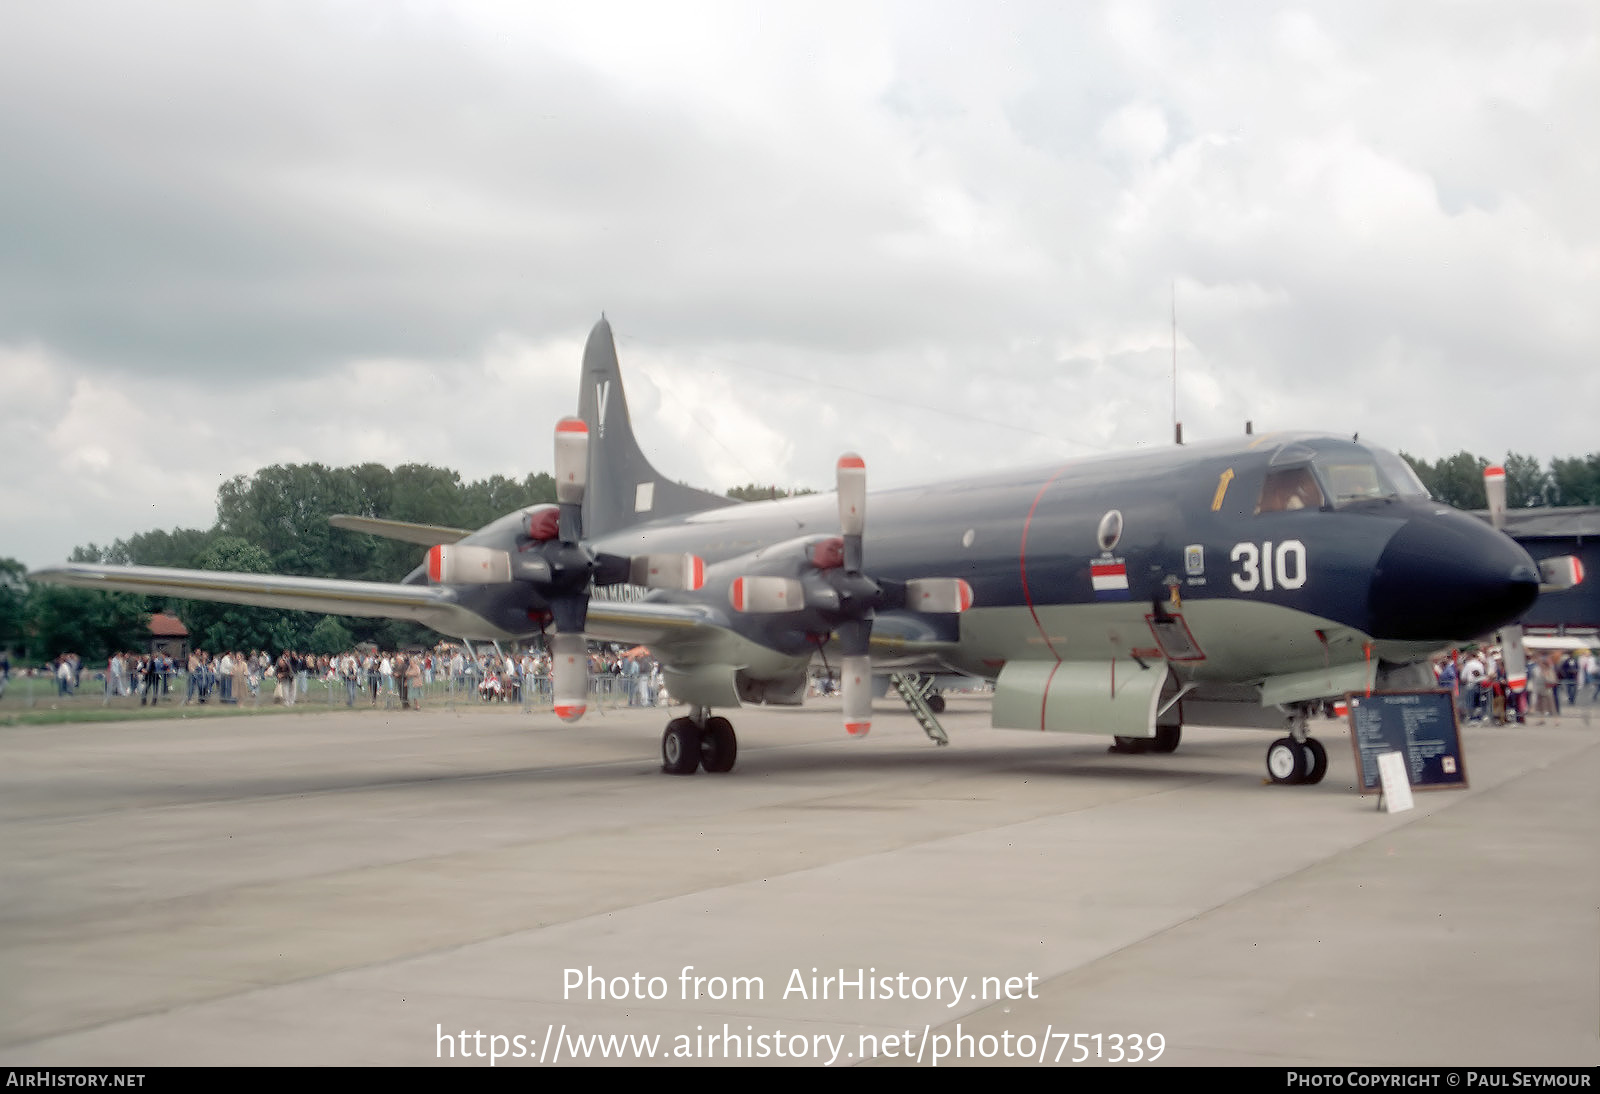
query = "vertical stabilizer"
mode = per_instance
[{"x": 623, "y": 488}]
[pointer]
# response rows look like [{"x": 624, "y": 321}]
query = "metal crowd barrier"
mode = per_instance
[{"x": 529, "y": 691}]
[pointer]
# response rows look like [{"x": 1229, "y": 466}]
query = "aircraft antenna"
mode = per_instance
[{"x": 1177, "y": 426}]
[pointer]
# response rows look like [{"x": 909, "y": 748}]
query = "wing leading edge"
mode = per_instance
[{"x": 431, "y": 605}]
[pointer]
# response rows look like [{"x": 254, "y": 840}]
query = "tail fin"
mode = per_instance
[{"x": 623, "y": 488}]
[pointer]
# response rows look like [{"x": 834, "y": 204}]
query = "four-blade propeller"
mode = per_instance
[
  {"x": 562, "y": 569},
  {"x": 842, "y": 599}
]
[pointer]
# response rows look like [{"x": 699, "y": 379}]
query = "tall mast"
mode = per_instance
[{"x": 1177, "y": 426}]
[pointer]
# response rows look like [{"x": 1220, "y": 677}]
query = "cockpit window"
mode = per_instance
[
  {"x": 1399, "y": 474},
  {"x": 1378, "y": 474},
  {"x": 1354, "y": 481},
  {"x": 1289, "y": 488}
]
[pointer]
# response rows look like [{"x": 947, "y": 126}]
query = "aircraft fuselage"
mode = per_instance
[{"x": 1199, "y": 572}]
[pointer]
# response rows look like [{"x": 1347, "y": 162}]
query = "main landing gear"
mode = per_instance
[
  {"x": 1297, "y": 759},
  {"x": 697, "y": 741}
]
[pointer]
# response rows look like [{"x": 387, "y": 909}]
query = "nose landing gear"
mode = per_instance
[{"x": 1297, "y": 759}]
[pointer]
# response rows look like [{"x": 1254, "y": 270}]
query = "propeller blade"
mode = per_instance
[
  {"x": 767, "y": 594},
  {"x": 851, "y": 476},
  {"x": 855, "y": 668},
  {"x": 572, "y": 475},
  {"x": 668, "y": 571},
  {"x": 1494, "y": 485},
  {"x": 1515, "y": 657},
  {"x": 467, "y": 564},
  {"x": 1560, "y": 573},
  {"x": 569, "y": 675},
  {"x": 938, "y": 594},
  {"x": 855, "y": 684},
  {"x": 572, "y": 460}
]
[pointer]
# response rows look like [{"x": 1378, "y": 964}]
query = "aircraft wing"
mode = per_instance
[
  {"x": 432, "y": 605},
  {"x": 405, "y": 531},
  {"x": 643, "y": 623},
  {"x": 686, "y": 634}
]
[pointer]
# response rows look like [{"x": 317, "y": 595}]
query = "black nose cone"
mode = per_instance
[{"x": 1449, "y": 577}]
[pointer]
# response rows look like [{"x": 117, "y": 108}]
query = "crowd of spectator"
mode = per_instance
[
  {"x": 1484, "y": 692},
  {"x": 369, "y": 676}
]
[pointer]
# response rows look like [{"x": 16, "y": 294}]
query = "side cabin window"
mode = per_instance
[{"x": 1289, "y": 488}]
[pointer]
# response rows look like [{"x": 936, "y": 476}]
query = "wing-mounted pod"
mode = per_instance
[
  {"x": 832, "y": 593},
  {"x": 562, "y": 569}
]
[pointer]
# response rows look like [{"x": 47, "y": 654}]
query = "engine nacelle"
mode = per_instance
[{"x": 467, "y": 564}]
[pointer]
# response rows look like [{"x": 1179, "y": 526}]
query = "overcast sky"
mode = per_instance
[{"x": 944, "y": 235}]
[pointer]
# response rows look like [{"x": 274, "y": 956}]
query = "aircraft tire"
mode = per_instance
[
  {"x": 1286, "y": 762},
  {"x": 1316, "y": 761},
  {"x": 680, "y": 747},
  {"x": 1166, "y": 739},
  {"x": 936, "y": 703},
  {"x": 1130, "y": 746},
  {"x": 719, "y": 747}
]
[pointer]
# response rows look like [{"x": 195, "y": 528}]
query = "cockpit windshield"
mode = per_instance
[
  {"x": 1352, "y": 477},
  {"x": 1322, "y": 476}
]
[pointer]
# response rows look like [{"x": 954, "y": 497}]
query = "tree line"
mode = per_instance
[
  {"x": 276, "y": 521},
  {"x": 1458, "y": 480}
]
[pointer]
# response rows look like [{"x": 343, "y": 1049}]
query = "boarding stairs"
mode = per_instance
[{"x": 916, "y": 688}]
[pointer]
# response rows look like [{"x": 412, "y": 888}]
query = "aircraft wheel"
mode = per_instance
[
  {"x": 936, "y": 703},
  {"x": 1130, "y": 746},
  {"x": 1316, "y": 761},
  {"x": 718, "y": 745},
  {"x": 1167, "y": 738},
  {"x": 680, "y": 747},
  {"x": 1286, "y": 762}
]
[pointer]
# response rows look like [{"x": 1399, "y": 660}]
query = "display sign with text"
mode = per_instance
[{"x": 1420, "y": 725}]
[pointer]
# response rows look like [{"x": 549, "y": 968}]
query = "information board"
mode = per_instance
[{"x": 1420, "y": 725}]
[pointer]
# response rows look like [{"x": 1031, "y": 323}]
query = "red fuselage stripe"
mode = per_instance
[
  {"x": 1044, "y": 700},
  {"x": 1022, "y": 562}
]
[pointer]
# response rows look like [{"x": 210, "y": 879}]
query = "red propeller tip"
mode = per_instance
[
  {"x": 571, "y": 712},
  {"x": 857, "y": 729},
  {"x": 572, "y": 425}
]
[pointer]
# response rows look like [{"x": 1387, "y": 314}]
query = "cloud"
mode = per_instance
[{"x": 942, "y": 235}]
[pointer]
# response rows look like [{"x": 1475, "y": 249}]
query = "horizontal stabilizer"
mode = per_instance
[{"x": 426, "y": 535}]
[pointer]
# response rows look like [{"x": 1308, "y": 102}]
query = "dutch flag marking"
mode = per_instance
[{"x": 1110, "y": 580}]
